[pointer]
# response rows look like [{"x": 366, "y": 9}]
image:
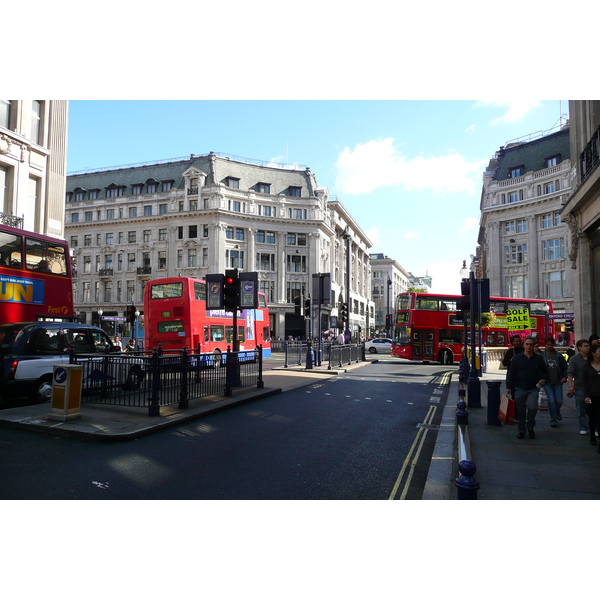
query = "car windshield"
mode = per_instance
[{"x": 8, "y": 333}]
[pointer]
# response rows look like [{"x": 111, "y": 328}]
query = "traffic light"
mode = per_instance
[
  {"x": 344, "y": 312},
  {"x": 464, "y": 303},
  {"x": 306, "y": 307},
  {"x": 231, "y": 290},
  {"x": 388, "y": 321},
  {"x": 131, "y": 314}
]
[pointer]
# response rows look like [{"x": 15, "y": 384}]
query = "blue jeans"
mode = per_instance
[
  {"x": 555, "y": 399},
  {"x": 580, "y": 405}
]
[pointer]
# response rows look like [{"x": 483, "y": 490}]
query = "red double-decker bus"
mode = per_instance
[
  {"x": 175, "y": 316},
  {"x": 35, "y": 277},
  {"x": 426, "y": 326}
]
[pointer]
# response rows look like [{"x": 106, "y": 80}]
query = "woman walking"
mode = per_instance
[{"x": 591, "y": 386}]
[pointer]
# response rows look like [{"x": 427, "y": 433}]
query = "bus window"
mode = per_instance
[
  {"x": 10, "y": 250},
  {"x": 206, "y": 335},
  {"x": 45, "y": 256},
  {"x": 427, "y": 303},
  {"x": 266, "y": 333},
  {"x": 229, "y": 333},
  {"x": 403, "y": 302},
  {"x": 161, "y": 291},
  {"x": 447, "y": 304},
  {"x": 241, "y": 334},
  {"x": 498, "y": 307},
  {"x": 262, "y": 302},
  {"x": 217, "y": 333},
  {"x": 450, "y": 336},
  {"x": 170, "y": 326},
  {"x": 199, "y": 290}
]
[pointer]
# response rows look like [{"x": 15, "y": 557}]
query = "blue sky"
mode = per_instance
[{"x": 410, "y": 172}]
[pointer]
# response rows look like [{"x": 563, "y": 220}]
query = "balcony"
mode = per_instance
[
  {"x": 144, "y": 270},
  {"x": 193, "y": 191},
  {"x": 11, "y": 220},
  {"x": 590, "y": 157},
  {"x": 105, "y": 272}
]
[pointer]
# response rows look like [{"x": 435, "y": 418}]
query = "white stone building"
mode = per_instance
[
  {"x": 206, "y": 214},
  {"x": 33, "y": 157}
]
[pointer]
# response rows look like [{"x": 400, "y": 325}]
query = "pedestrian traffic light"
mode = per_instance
[
  {"x": 231, "y": 290},
  {"x": 464, "y": 303},
  {"x": 344, "y": 312},
  {"x": 131, "y": 313},
  {"x": 388, "y": 321},
  {"x": 306, "y": 307}
]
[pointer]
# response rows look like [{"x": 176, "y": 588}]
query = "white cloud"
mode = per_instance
[
  {"x": 469, "y": 223},
  {"x": 355, "y": 169},
  {"x": 445, "y": 277},
  {"x": 515, "y": 109},
  {"x": 470, "y": 128},
  {"x": 373, "y": 234},
  {"x": 410, "y": 235}
]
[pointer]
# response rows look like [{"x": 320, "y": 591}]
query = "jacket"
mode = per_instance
[
  {"x": 525, "y": 372},
  {"x": 591, "y": 381},
  {"x": 556, "y": 365}
]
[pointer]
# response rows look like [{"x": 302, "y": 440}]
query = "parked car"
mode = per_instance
[
  {"x": 379, "y": 345},
  {"x": 29, "y": 351}
]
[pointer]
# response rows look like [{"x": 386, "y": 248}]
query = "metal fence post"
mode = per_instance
[
  {"x": 183, "y": 390},
  {"x": 285, "y": 347},
  {"x": 228, "y": 360},
  {"x": 260, "y": 383},
  {"x": 154, "y": 406}
]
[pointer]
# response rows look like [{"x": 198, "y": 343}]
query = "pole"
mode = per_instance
[
  {"x": 347, "y": 334},
  {"x": 473, "y": 385}
]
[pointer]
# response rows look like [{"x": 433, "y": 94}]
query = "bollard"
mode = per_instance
[
  {"x": 466, "y": 484},
  {"x": 462, "y": 416},
  {"x": 493, "y": 405},
  {"x": 462, "y": 393},
  {"x": 310, "y": 355}
]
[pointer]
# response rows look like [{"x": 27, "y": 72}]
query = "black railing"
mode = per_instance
[
  {"x": 152, "y": 380},
  {"x": 11, "y": 220},
  {"x": 590, "y": 157}
]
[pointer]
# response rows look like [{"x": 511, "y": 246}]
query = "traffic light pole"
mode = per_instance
[{"x": 473, "y": 385}]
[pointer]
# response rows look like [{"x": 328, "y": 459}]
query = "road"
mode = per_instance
[{"x": 368, "y": 434}]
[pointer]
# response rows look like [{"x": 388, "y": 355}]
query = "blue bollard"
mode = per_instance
[
  {"x": 466, "y": 484},
  {"x": 493, "y": 404},
  {"x": 462, "y": 416}
]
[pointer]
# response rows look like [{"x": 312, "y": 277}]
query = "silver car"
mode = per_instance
[{"x": 379, "y": 346}]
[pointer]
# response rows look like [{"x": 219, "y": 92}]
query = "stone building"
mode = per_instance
[
  {"x": 33, "y": 157},
  {"x": 523, "y": 240},
  {"x": 388, "y": 279},
  {"x": 205, "y": 214},
  {"x": 582, "y": 214}
]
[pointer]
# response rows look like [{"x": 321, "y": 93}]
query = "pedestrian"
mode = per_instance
[
  {"x": 536, "y": 348},
  {"x": 118, "y": 343},
  {"x": 556, "y": 365},
  {"x": 526, "y": 374},
  {"x": 516, "y": 348},
  {"x": 130, "y": 346},
  {"x": 340, "y": 339},
  {"x": 591, "y": 386},
  {"x": 593, "y": 339},
  {"x": 575, "y": 381}
]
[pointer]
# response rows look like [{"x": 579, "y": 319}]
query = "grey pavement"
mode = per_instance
[{"x": 560, "y": 464}]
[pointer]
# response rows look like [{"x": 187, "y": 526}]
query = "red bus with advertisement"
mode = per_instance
[
  {"x": 175, "y": 315},
  {"x": 426, "y": 326},
  {"x": 35, "y": 277}
]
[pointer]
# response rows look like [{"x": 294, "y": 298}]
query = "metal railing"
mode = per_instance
[{"x": 152, "y": 380}]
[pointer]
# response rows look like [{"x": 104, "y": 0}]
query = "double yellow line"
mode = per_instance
[{"x": 412, "y": 458}]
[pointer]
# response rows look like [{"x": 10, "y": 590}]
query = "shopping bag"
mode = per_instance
[
  {"x": 542, "y": 400},
  {"x": 506, "y": 413}
]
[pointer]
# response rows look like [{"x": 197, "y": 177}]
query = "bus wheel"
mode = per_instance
[
  {"x": 42, "y": 391},
  {"x": 446, "y": 357},
  {"x": 217, "y": 359}
]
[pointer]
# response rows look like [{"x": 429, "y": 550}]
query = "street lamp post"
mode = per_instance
[
  {"x": 473, "y": 385},
  {"x": 346, "y": 236},
  {"x": 464, "y": 363},
  {"x": 388, "y": 321}
]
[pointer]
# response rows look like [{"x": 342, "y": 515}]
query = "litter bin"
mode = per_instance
[
  {"x": 66, "y": 393},
  {"x": 493, "y": 403}
]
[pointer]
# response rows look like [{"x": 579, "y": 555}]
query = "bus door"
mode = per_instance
[{"x": 423, "y": 344}]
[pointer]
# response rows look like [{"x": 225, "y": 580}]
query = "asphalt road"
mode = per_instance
[{"x": 368, "y": 434}]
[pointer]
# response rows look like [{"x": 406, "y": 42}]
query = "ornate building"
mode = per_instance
[
  {"x": 33, "y": 157},
  {"x": 205, "y": 214},
  {"x": 389, "y": 278},
  {"x": 523, "y": 240}
]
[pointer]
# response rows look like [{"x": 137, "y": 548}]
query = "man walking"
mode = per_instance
[
  {"x": 516, "y": 348},
  {"x": 575, "y": 380},
  {"x": 556, "y": 365},
  {"x": 526, "y": 374}
]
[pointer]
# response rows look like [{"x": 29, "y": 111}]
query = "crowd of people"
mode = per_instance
[{"x": 530, "y": 368}]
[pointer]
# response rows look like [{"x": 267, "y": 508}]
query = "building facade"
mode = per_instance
[
  {"x": 523, "y": 240},
  {"x": 582, "y": 214},
  {"x": 388, "y": 279},
  {"x": 206, "y": 214},
  {"x": 33, "y": 159}
]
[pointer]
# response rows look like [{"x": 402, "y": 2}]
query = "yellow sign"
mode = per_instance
[{"x": 517, "y": 319}]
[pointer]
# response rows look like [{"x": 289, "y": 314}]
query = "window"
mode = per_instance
[
  {"x": 87, "y": 264},
  {"x": 180, "y": 233},
  {"x": 549, "y": 188},
  {"x": 89, "y": 215},
  {"x": 130, "y": 291},
  {"x": 5, "y": 113},
  {"x": 145, "y": 259},
  {"x": 554, "y": 284},
  {"x": 233, "y": 182},
  {"x": 194, "y": 204},
  {"x": 265, "y": 261},
  {"x": 553, "y": 161},
  {"x": 87, "y": 239},
  {"x": 291, "y": 239},
  {"x": 295, "y": 191},
  {"x": 119, "y": 262},
  {"x": 234, "y": 259},
  {"x": 147, "y": 235},
  {"x": 296, "y": 263},
  {"x": 557, "y": 220},
  {"x": 108, "y": 291},
  {"x": 268, "y": 288},
  {"x": 297, "y": 213},
  {"x": 36, "y": 121},
  {"x": 516, "y": 171},
  {"x": 205, "y": 257},
  {"x": 130, "y": 261},
  {"x": 162, "y": 235},
  {"x": 112, "y": 192},
  {"x": 553, "y": 249},
  {"x": 79, "y": 195},
  {"x": 516, "y": 254},
  {"x": 110, "y": 239},
  {"x": 148, "y": 211},
  {"x": 301, "y": 238},
  {"x": 131, "y": 237},
  {"x": 132, "y": 212},
  {"x": 205, "y": 231},
  {"x": 192, "y": 255},
  {"x": 229, "y": 233},
  {"x": 162, "y": 259},
  {"x": 509, "y": 227},
  {"x": 266, "y": 211},
  {"x": 193, "y": 231},
  {"x": 74, "y": 241},
  {"x": 167, "y": 185},
  {"x": 162, "y": 209},
  {"x": 521, "y": 225},
  {"x": 110, "y": 213},
  {"x": 119, "y": 291},
  {"x": 260, "y": 237},
  {"x": 108, "y": 261},
  {"x": 151, "y": 186},
  {"x": 93, "y": 194},
  {"x": 86, "y": 292},
  {"x": 516, "y": 286},
  {"x": 513, "y": 197},
  {"x": 270, "y": 239},
  {"x": 546, "y": 221},
  {"x": 136, "y": 189},
  {"x": 264, "y": 188},
  {"x": 121, "y": 234},
  {"x": 239, "y": 234},
  {"x": 235, "y": 206},
  {"x": 74, "y": 217},
  {"x": 294, "y": 289}
]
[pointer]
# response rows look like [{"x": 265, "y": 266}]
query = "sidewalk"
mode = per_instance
[
  {"x": 559, "y": 464},
  {"x": 114, "y": 423}
]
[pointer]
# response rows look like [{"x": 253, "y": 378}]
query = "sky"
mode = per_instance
[{"x": 409, "y": 171}]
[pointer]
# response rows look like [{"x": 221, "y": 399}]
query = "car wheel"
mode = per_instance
[
  {"x": 373, "y": 350},
  {"x": 42, "y": 391}
]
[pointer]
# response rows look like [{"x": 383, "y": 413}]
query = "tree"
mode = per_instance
[{"x": 415, "y": 289}]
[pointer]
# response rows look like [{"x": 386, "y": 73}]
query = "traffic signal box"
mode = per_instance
[
  {"x": 231, "y": 290},
  {"x": 131, "y": 314},
  {"x": 344, "y": 312}
]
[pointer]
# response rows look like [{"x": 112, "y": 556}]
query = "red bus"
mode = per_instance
[
  {"x": 35, "y": 277},
  {"x": 175, "y": 316},
  {"x": 426, "y": 326}
]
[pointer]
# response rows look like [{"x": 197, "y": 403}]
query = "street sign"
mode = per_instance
[
  {"x": 249, "y": 290},
  {"x": 214, "y": 291},
  {"x": 562, "y": 316},
  {"x": 113, "y": 318}
]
